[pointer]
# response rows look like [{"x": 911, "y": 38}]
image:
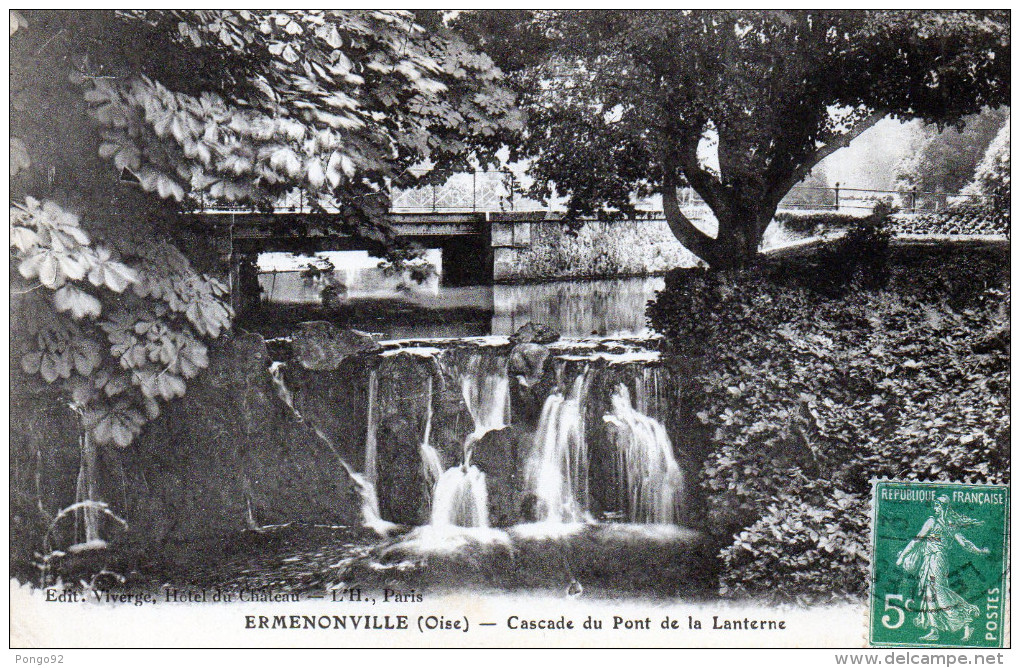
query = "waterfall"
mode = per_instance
[
  {"x": 432, "y": 465},
  {"x": 556, "y": 471},
  {"x": 371, "y": 516},
  {"x": 486, "y": 392},
  {"x": 371, "y": 429},
  {"x": 86, "y": 497},
  {"x": 645, "y": 463},
  {"x": 460, "y": 498}
]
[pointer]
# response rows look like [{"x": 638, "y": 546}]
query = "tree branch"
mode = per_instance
[
  {"x": 683, "y": 229},
  {"x": 812, "y": 159},
  {"x": 705, "y": 183}
]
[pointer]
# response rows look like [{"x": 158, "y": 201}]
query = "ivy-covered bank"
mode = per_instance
[{"x": 808, "y": 380}]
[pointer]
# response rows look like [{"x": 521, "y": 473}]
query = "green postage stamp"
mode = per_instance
[{"x": 939, "y": 561}]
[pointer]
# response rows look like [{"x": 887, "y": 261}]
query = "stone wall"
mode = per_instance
[
  {"x": 227, "y": 456},
  {"x": 545, "y": 249}
]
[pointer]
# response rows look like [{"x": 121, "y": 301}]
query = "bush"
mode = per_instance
[
  {"x": 817, "y": 222},
  {"x": 793, "y": 540},
  {"x": 960, "y": 219},
  {"x": 807, "y": 397},
  {"x": 861, "y": 255}
]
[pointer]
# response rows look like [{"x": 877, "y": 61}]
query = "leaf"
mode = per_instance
[
  {"x": 77, "y": 301},
  {"x": 24, "y": 239},
  {"x": 333, "y": 170},
  {"x": 151, "y": 408},
  {"x": 48, "y": 368},
  {"x": 18, "y": 22},
  {"x": 348, "y": 166},
  {"x": 121, "y": 432},
  {"x": 30, "y": 362},
  {"x": 332, "y": 37},
  {"x": 85, "y": 355},
  {"x": 112, "y": 274},
  {"x": 73, "y": 267},
  {"x": 316, "y": 175},
  {"x": 82, "y": 390},
  {"x": 170, "y": 386}
]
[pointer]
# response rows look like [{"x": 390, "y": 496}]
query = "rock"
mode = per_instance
[
  {"x": 321, "y": 345},
  {"x": 532, "y": 333},
  {"x": 531, "y": 381},
  {"x": 500, "y": 454},
  {"x": 527, "y": 362},
  {"x": 227, "y": 455}
]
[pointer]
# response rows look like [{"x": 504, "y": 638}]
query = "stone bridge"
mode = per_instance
[{"x": 482, "y": 242}]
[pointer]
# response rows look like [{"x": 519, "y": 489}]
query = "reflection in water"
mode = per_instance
[{"x": 605, "y": 307}]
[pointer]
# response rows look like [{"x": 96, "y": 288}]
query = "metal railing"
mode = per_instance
[
  {"x": 499, "y": 191},
  {"x": 459, "y": 192}
]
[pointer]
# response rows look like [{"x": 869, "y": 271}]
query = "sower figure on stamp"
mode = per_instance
[{"x": 939, "y": 608}]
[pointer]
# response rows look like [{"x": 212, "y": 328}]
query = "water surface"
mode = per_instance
[{"x": 396, "y": 307}]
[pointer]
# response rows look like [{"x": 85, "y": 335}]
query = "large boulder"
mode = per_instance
[
  {"x": 501, "y": 454},
  {"x": 535, "y": 333},
  {"x": 322, "y": 346},
  {"x": 527, "y": 362},
  {"x": 532, "y": 378}
]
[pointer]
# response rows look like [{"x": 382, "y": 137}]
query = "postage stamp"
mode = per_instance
[{"x": 939, "y": 561}]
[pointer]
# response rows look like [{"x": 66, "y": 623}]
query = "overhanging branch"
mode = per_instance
[{"x": 823, "y": 152}]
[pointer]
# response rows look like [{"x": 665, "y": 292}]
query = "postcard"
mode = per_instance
[{"x": 511, "y": 329}]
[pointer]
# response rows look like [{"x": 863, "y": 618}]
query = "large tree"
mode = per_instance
[
  {"x": 619, "y": 101},
  {"x": 121, "y": 121}
]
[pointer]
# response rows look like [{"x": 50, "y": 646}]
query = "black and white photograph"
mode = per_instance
[{"x": 510, "y": 328}]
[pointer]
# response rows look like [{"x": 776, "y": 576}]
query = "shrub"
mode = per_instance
[
  {"x": 808, "y": 397},
  {"x": 816, "y": 222},
  {"x": 862, "y": 254}
]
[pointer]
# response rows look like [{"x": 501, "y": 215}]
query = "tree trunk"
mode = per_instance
[{"x": 741, "y": 226}]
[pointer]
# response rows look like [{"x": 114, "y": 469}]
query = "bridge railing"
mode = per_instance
[
  {"x": 461, "y": 192},
  {"x": 496, "y": 191},
  {"x": 458, "y": 192}
]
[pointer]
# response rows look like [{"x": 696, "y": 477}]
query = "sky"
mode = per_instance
[{"x": 870, "y": 161}]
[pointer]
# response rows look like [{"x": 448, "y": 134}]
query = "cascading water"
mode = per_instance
[
  {"x": 371, "y": 516},
  {"x": 645, "y": 461},
  {"x": 486, "y": 390},
  {"x": 460, "y": 497},
  {"x": 432, "y": 465},
  {"x": 646, "y": 391},
  {"x": 556, "y": 471},
  {"x": 372, "y": 430}
]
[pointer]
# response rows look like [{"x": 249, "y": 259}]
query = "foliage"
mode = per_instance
[
  {"x": 946, "y": 158},
  {"x": 116, "y": 328},
  {"x": 814, "y": 526},
  {"x": 991, "y": 178},
  {"x": 958, "y": 219},
  {"x": 619, "y": 102},
  {"x": 121, "y": 121},
  {"x": 342, "y": 104},
  {"x": 861, "y": 255},
  {"x": 816, "y": 222},
  {"x": 808, "y": 398}
]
